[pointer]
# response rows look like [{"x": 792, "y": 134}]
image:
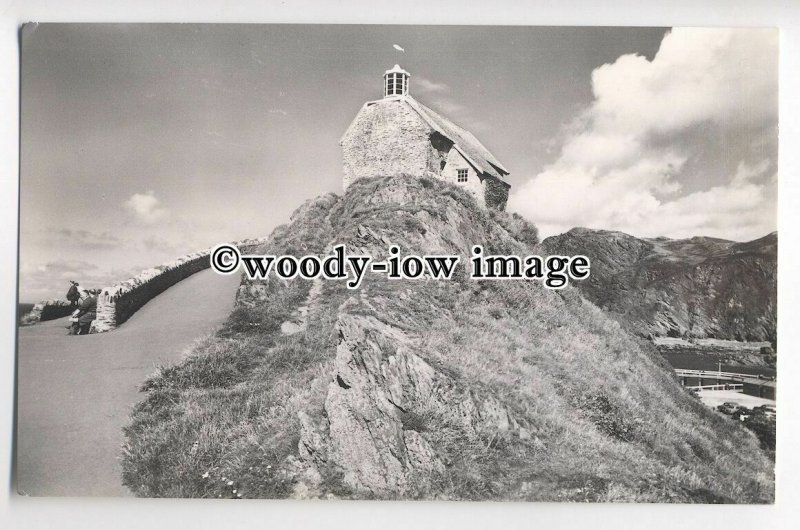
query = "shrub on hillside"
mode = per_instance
[
  {"x": 764, "y": 429},
  {"x": 522, "y": 230}
]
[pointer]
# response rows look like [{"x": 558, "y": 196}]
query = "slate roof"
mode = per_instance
[{"x": 463, "y": 140}]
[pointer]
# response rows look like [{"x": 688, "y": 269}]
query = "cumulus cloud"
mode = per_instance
[
  {"x": 638, "y": 159},
  {"x": 146, "y": 207}
]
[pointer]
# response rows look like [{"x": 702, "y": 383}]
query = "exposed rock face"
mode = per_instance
[
  {"x": 376, "y": 381},
  {"x": 699, "y": 287}
]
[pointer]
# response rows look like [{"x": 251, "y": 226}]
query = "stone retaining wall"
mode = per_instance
[{"x": 116, "y": 304}]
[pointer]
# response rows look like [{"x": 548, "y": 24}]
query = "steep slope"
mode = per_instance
[
  {"x": 455, "y": 389},
  {"x": 699, "y": 287}
]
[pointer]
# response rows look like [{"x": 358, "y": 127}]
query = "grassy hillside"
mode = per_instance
[
  {"x": 700, "y": 287},
  {"x": 423, "y": 389}
]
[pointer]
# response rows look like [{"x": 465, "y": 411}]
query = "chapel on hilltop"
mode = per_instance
[{"x": 399, "y": 135}]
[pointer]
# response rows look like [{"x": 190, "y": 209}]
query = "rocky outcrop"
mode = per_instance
[
  {"x": 376, "y": 380},
  {"x": 426, "y": 389},
  {"x": 374, "y": 428},
  {"x": 700, "y": 287},
  {"x": 381, "y": 386}
]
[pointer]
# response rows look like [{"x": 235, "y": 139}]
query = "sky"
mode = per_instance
[{"x": 140, "y": 143}]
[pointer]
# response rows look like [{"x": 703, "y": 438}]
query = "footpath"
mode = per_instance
[{"x": 75, "y": 393}]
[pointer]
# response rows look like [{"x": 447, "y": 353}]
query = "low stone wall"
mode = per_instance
[
  {"x": 116, "y": 304},
  {"x": 46, "y": 310}
]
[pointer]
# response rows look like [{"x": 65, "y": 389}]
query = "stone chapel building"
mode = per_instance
[{"x": 399, "y": 135}]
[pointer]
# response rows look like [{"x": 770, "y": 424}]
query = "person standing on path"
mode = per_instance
[{"x": 73, "y": 295}]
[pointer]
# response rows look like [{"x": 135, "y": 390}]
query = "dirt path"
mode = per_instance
[{"x": 75, "y": 393}]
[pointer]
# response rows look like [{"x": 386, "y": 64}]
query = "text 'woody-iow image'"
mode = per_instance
[{"x": 450, "y": 263}]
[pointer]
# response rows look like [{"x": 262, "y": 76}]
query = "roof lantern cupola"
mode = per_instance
[{"x": 395, "y": 82}]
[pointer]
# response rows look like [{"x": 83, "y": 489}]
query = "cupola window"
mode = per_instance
[{"x": 395, "y": 82}]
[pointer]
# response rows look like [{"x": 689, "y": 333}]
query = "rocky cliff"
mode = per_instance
[
  {"x": 458, "y": 389},
  {"x": 700, "y": 287}
]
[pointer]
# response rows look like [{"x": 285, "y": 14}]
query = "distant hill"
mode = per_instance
[{"x": 700, "y": 287}]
